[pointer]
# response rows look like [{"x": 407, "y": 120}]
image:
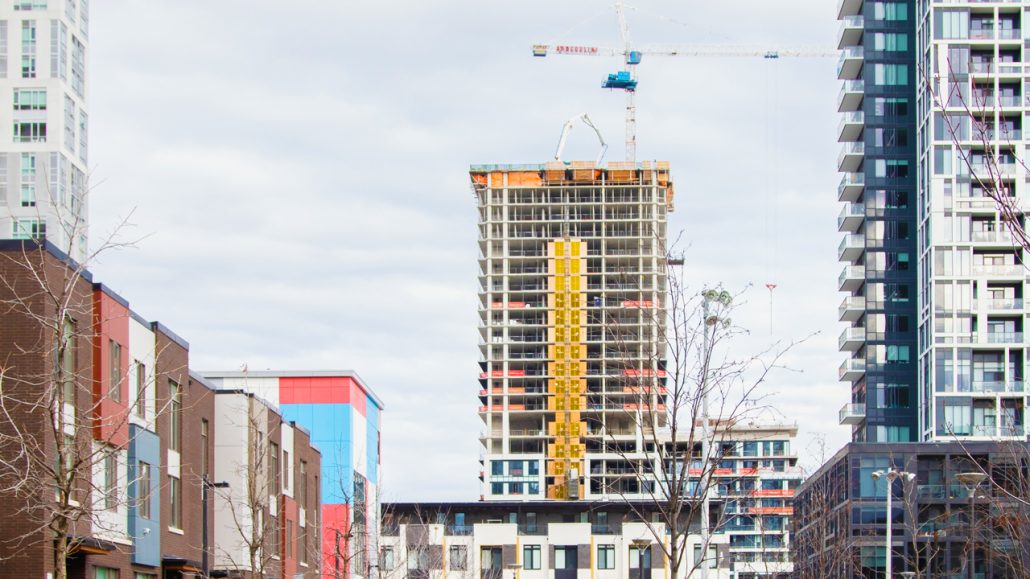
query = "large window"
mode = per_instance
[
  {"x": 29, "y": 132},
  {"x": 531, "y": 557},
  {"x": 175, "y": 502},
  {"x": 29, "y": 99},
  {"x": 110, "y": 480},
  {"x": 174, "y": 416},
  {"x": 115, "y": 363},
  {"x": 457, "y": 558},
  {"x": 28, "y": 49},
  {"x": 143, "y": 475},
  {"x": 141, "y": 388},
  {"x": 29, "y": 229},
  {"x": 890, "y": 74},
  {"x": 28, "y": 180},
  {"x": 105, "y": 573},
  {"x": 205, "y": 440},
  {"x": 606, "y": 556},
  {"x": 273, "y": 469}
]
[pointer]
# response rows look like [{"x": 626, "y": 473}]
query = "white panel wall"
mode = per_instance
[{"x": 142, "y": 349}]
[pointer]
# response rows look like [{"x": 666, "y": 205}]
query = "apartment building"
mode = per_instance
[
  {"x": 753, "y": 496},
  {"x": 571, "y": 303},
  {"x": 100, "y": 405},
  {"x": 933, "y": 109},
  {"x": 343, "y": 416},
  {"x": 43, "y": 157},
  {"x": 932, "y": 124},
  {"x": 267, "y": 515}
]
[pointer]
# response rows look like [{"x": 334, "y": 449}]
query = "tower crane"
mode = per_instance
[{"x": 626, "y": 80}]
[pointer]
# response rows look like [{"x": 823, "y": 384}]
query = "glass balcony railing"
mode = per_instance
[{"x": 1004, "y": 337}]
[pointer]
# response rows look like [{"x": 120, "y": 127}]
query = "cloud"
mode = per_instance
[{"x": 302, "y": 175}]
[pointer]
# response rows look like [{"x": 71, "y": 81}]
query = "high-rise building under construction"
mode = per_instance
[{"x": 572, "y": 294}]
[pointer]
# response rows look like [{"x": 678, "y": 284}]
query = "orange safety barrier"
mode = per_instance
[{"x": 525, "y": 179}]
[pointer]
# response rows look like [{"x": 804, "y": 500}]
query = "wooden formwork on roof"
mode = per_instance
[
  {"x": 585, "y": 171},
  {"x": 621, "y": 172},
  {"x": 554, "y": 171}
]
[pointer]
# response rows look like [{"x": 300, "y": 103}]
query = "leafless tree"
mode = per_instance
[
  {"x": 254, "y": 511},
  {"x": 59, "y": 441},
  {"x": 689, "y": 394}
]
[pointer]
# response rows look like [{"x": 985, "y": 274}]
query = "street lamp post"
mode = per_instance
[
  {"x": 890, "y": 476},
  {"x": 640, "y": 544},
  {"x": 971, "y": 480},
  {"x": 710, "y": 321},
  {"x": 205, "y": 484}
]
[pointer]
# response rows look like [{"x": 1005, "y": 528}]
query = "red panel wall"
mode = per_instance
[
  {"x": 335, "y": 524},
  {"x": 110, "y": 413}
]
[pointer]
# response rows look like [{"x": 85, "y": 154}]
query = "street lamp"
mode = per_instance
[
  {"x": 640, "y": 544},
  {"x": 891, "y": 475},
  {"x": 724, "y": 299},
  {"x": 971, "y": 480},
  {"x": 205, "y": 484}
]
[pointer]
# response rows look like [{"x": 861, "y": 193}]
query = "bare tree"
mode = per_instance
[
  {"x": 61, "y": 437},
  {"x": 254, "y": 511},
  {"x": 689, "y": 394}
]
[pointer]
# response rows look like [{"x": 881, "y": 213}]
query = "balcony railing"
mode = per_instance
[
  {"x": 852, "y": 413},
  {"x": 997, "y": 269},
  {"x": 1004, "y": 337}
]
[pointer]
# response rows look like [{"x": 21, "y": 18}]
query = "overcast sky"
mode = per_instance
[{"x": 300, "y": 172}]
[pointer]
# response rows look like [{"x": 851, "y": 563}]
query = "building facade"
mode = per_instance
[
  {"x": 932, "y": 129},
  {"x": 343, "y": 416},
  {"x": 44, "y": 46},
  {"x": 572, "y": 303},
  {"x": 100, "y": 405},
  {"x": 937, "y": 521},
  {"x": 267, "y": 521}
]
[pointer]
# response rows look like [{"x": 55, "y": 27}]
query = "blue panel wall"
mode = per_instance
[
  {"x": 144, "y": 446},
  {"x": 372, "y": 440},
  {"x": 330, "y": 427}
]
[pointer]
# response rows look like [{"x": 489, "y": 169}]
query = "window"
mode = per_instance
[
  {"x": 951, "y": 24},
  {"x": 302, "y": 485},
  {"x": 890, "y": 11},
  {"x": 174, "y": 416},
  {"x": 30, "y": 4},
  {"x": 286, "y": 470},
  {"x": 458, "y": 558},
  {"x": 110, "y": 464},
  {"x": 29, "y": 229},
  {"x": 66, "y": 355},
  {"x": 28, "y": 180},
  {"x": 175, "y": 502},
  {"x": 897, "y": 261},
  {"x": 273, "y": 530},
  {"x": 497, "y": 488},
  {"x": 302, "y": 544},
  {"x": 3, "y": 49},
  {"x": 709, "y": 561},
  {"x": 387, "y": 559},
  {"x": 497, "y": 468},
  {"x": 534, "y": 468},
  {"x": 635, "y": 555},
  {"x": 531, "y": 557},
  {"x": 29, "y": 99},
  {"x": 890, "y": 74},
  {"x": 515, "y": 488},
  {"x": 145, "y": 576},
  {"x": 143, "y": 490},
  {"x": 890, "y": 42},
  {"x": 28, "y": 49},
  {"x": 897, "y": 354},
  {"x": 29, "y": 132},
  {"x": 115, "y": 362},
  {"x": 273, "y": 468},
  {"x": 83, "y": 132},
  {"x": 205, "y": 460},
  {"x": 78, "y": 67},
  {"x": 105, "y": 573},
  {"x": 141, "y": 388},
  {"x": 531, "y": 524},
  {"x": 606, "y": 556}
]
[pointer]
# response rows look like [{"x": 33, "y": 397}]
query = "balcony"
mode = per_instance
[
  {"x": 851, "y": 187},
  {"x": 1004, "y": 270},
  {"x": 851, "y": 309},
  {"x": 850, "y": 126},
  {"x": 998, "y": 237},
  {"x": 851, "y": 217},
  {"x": 1004, "y": 337},
  {"x": 851, "y": 247},
  {"x": 851, "y": 339},
  {"x": 1005, "y": 304},
  {"x": 851, "y": 278},
  {"x": 850, "y": 64},
  {"x": 850, "y": 31},
  {"x": 852, "y": 413},
  {"x": 852, "y": 369},
  {"x": 848, "y": 8},
  {"x": 850, "y": 97},
  {"x": 851, "y": 156}
]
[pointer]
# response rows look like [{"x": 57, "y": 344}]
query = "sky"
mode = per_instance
[{"x": 296, "y": 178}]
